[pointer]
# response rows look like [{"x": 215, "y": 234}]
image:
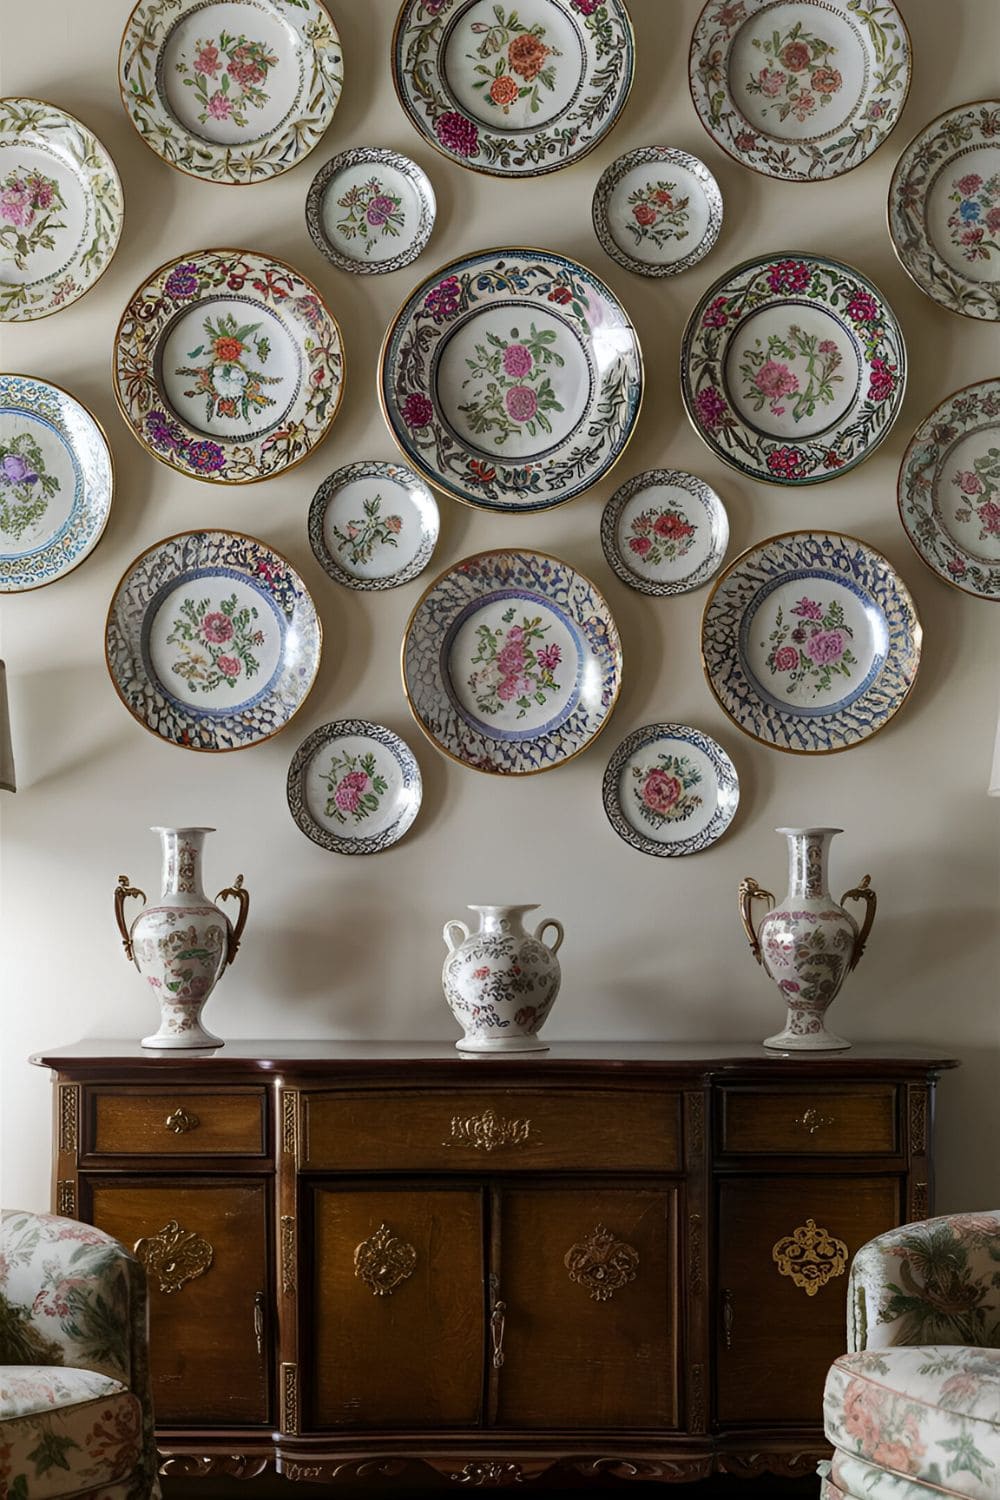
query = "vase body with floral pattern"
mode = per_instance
[
  {"x": 181, "y": 943},
  {"x": 501, "y": 981},
  {"x": 809, "y": 944}
]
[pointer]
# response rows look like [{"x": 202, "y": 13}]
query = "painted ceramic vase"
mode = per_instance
[
  {"x": 501, "y": 981},
  {"x": 182, "y": 943},
  {"x": 809, "y": 944}
]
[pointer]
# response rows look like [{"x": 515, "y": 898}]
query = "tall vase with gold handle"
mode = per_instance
[
  {"x": 181, "y": 943},
  {"x": 809, "y": 944}
]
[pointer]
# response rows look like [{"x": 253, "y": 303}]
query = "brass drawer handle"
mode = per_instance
[
  {"x": 258, "y": 1322},
  {"x": 498, "y": 1323},
  {"x": 180, "y": 1122},
  {"x": 812, "y": 1121},
  {"x": 174, "y": 1256},
  {"x": 728, "y": 1316},
  {"x": 383, "y": 1261}
]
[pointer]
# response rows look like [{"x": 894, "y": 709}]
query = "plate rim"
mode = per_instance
[
  {"x": 318, "y": 506},
  {"x": 638, "y": 156},
  {"x": 408, "y": 168},
  {"x": 612, "y": 802},
  {"x": 609, "y": 520},
  {"x": 329, "y": 841}
]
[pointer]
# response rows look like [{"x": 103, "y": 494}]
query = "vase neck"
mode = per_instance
[
  {"x": 503, "y": 918},
  {"x": 808, "y": 852},
  {"x": 182, "y": 849}
]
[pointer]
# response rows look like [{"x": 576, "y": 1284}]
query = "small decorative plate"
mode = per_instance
[
  {"x": 511, "y": 662},
  {"x": 512, "y": 379},
  {"x": 515, "y": 90},
  {"x": 373, "y": 525},
  {"x": 56, "y": 482},
  {"x": 230, "y": 90},
  {"x": 944, "y": 209},
  {"x": 657, "y": 210},
  {"x": 669, "y": 789},
  {"x": 228, "y": 366},
  {"x": 810, "y": 641},
  {"x": 949, "y": 490},
  {"x": 370, "y": 210},
  {"x": 799, "y": 89},
  {"x": 61, "y": 209},
  {"x": 793, "y": 368},
  {"x": 665, "y": 532},
  {"x": 354, "y": 787},
  {"x": 212, "y": 640}
]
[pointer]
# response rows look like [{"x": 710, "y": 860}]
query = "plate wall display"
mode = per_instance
[
  {"x": 800, "y": 89},
  {"x": 228, "y": 366},
  {"x": 513, "y": 90},
  {"x": 373, "y": 525},
  {"x": 944, "y": 209},
  {"x": 370, "y": 210},
  {"x": 669, "y": 789},
  {"x": 810, "y": 641},
  {"x": 793, "y": 368},
  {"x": 56, "y": 482},
  {"x": 212, "y": 640},
  {"x": 512, "y": 379},
  {"x": 657, "y": 210},
  {"x": 354, "y": 787},
  {"x": 949, "y": 490},
  {"x": 512, "y": 662},
  {"x": 231, "y": 91},
  {"x": 61, "y": 209},
  {"x": 665, "y": 532}
]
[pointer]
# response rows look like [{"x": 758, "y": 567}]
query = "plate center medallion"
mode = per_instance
[
  {"x": 44, "y": 213},
  {"x": 229, "y": 369},
  {"x": 963, "y": 214},
  {"x": 798, "y": 72},
  {"x": 231, "y": 73},
  {"x": 513, "y": 66},
  {"x": 39, "y": 480},
  {"x": 967, "y": 494},
  {"x": 213, "y": 643},
  {"x": 792, "y": 370}
]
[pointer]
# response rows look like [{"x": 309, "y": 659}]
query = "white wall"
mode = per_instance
[{"x": 341, "y": 947}]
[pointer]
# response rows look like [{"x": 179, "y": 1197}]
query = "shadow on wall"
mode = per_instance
[
  {"x": 46, "y": 702},
  {"x": 967, "y": 1125}
]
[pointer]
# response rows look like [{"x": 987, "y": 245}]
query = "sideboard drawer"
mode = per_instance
[
  {"x": 811, "y": 1122},
  {"x": 175, "y": 1122}
]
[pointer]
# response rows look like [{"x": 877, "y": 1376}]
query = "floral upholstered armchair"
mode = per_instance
[
  {"x": 75, "y": 1411},
  {"x": 913, "y": 1411}
]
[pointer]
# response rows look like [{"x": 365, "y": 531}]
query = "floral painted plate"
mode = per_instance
[
  {"x": 511, "y": 662},
  {"x": 373, "y": 525},
  {"x": 810, "y": 641},
  {"x": 669, "y": 789},
  {"x": 944, "y": 209},
  {"x": 228, "y": 366},
  {"x": 212, "y": 640},
  {"x": 512, "y": 379},
  {"x": 799, "y": 89},
  {"x": 370, "y": 210},
  {"x": 354, "y": 787},
  {"x": 513, "y": 90},
  {"x": 949, "y": 490},
  {"x": 665, "y": 532},
  {"x": 56, "y": 482},
  {"x": 657, "y": 210},
  {"x": 793, "y": 368},
  {"x": 230, "y": 91},
  {"x": 61, "y": 209}
]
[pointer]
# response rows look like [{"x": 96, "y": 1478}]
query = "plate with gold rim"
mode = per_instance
[
  {"x": 670, "y": 790},
  {"x": 354, "y": 787}
]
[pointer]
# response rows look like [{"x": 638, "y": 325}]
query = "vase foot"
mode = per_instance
[
  {"x": 502, "y": 1044},
  {"x": 199, "y": 1038},
  {"x": 791, "y": 1041}
]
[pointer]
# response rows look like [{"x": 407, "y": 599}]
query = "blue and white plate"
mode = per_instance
[
  {"x": 669, "y": 789},
  {"x": 810, "y": 641},
  {"x": 511, "y": 662},
  {"x": 354, "y": 787},
  {"x": 665, "y": 532},
  {"x": 373, "y": 525}
]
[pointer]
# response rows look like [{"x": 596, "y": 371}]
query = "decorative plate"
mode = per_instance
[
  {"x": 370, "y": 210},
  {"x": 511, "y": 662},
  {"x": 373, "y": 525},
  {"x": 793, "y": 368},
  {"x": 513, "y": 90},
  {"x": 944, "y": 209},
  {"x": 56, "y": 482},
  {"x": 61, "y": 209},
  {"x": 228, "y": 366},
  {"x": 665, "y": 532},
  {"x": 354, "y": 787},
  {"x": 657, "y": 210},
  {"x": 949, "y": 489},
  {"x": 212, "y": 641},
  {"x": 810, "y": 641},
  {"x": 799, "y": 89},
  {"x": 669, "y": 789},
  {"x": 230, "y": 90},
  {"x": 512, "y": 379}
]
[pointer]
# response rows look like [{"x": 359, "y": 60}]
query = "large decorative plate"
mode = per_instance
[
  {"x": 230, "y": 90},
  {"x": 354, "y": 787},
  {"x": 669, "y": 789},
  {"x": 212, "y": 640},
  {"x": 810, "y": 641},
  {"x": 228, "y": 366},
  {"x": 657, "y": 210},
  {"x": 61, "y": 209},
  {"x": 373, "y": 525},
  {"x": 370, "y": 210},
  {"x": 793, "y": 368},
  {"x": 949, "y": 490},
  {"x": 800, "y": 89},
  {"x": 665, "y": 532},
  {"x": 512, "y": 379},
  {"x": 511, "y": 662},
  {"x": 513, "y": 89},
  {"x": 56, "y": 482},
  {"x": 944, "y": 209}
]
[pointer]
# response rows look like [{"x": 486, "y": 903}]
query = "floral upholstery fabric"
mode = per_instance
[
  {"x": 63, "y": 1431},
  {"x": 858, "y": 1480}
]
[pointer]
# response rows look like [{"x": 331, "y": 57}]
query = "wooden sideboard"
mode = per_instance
[{"x": 609, "y": 1259}]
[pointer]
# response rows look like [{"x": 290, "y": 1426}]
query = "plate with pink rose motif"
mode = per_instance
[
  {"x": 665, "y": 532},
  {"x": 669, "y": 789},
  {"x": 657, "y": 210},
  {"x": 354, "y": 787},
  {"x": 793, "y": 368}
]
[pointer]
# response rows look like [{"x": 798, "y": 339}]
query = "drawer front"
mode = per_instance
[
  {"x": 175, "y": 1122},
  {"x": 812, "y": 1122}
]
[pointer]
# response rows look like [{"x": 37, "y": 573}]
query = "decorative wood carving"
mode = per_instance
[
  {"x": 66, "y": 1198},
  {"x": 919, "y": 1201},
  {"x": 214, "y": 1465},
  {"x": 69, "y": 1116},
  {"x": 290, "y": 1122},
  {"x": 290, "y": 1398},
  {"x": 696, "y": 1405},
  {"x": 174, "y": 1256},
  {"x": 287, "y": 1254},
  {"x": 383, "y": 1261},
  {"x": 810, "y": 1256},
  {"x": 791, "y": 1464},
  {"x": 918, "y": 1121},
  {"x": 696, "y": 1255},
  {"x": 696, "y": 1124},
  {"x": 602, "y": 1263},
  {"x": 489, "y": 1473},
  {"x": 488, "y": 1132}
]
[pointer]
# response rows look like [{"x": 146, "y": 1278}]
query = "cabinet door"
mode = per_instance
[{"x": 785, "y": 1248}]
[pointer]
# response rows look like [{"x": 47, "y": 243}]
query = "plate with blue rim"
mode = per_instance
[
  {"x": 373, "y": 525},
  {"x": 354, "y": 787},
  {"x": 669, "y": 789}
]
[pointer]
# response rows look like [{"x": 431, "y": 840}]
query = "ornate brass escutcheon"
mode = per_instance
[
  {"x": 810, "y": 1256},
  {"x": 602, "y": 1264},
  {"x": 488, "y": 1132},
  {"x": 180, "y": 1122},
  {"x": 383, "y": 1261},
  {"x": 174, "y": 1256},
  {"x": 812, "y": 1121}
]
